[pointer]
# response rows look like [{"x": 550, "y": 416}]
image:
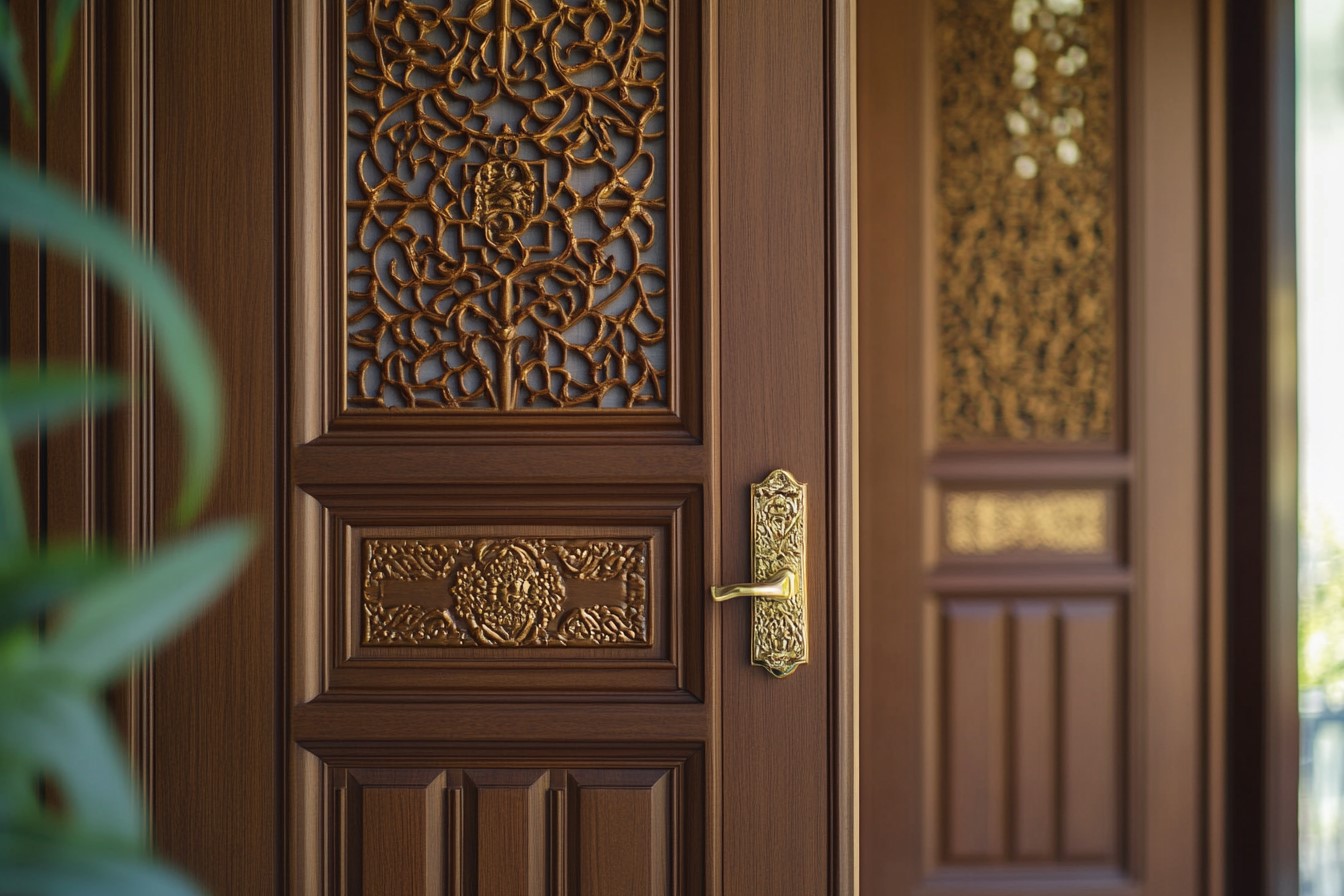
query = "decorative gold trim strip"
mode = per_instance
[{"x": 1062, "y": 521}]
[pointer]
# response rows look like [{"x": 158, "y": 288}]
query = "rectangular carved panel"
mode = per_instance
[
  {"x": 506, "y": 592},
  {"x": 505, "y": 831},
  {"x": 394, "y": 828},
  {"x": 622, "y": 826},
  {"x": 1027, "y": 209},
  {"x": 1030, "y": 524},
  {"x": 1031, "y": 722},
  {"x": 1090, "y": 730},
  {"x": 975, "y": 754},
  {"x": 507, "y": 204}
]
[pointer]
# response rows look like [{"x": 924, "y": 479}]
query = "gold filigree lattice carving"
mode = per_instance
[
  {"x": 506, "y": 204},
  {"x": 1063, "y": 521},
  {"x": 1026, "y": 220},
  {"x": 506, "y": 592}
]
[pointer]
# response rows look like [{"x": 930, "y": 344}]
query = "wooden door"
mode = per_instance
[
  {"x": 515, "y": 301},
  {"x": 1032, "y": 315}
]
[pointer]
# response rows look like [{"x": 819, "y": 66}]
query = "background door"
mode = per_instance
[
  {"x": 514, "y": 300},
  {"x": 1033, "y": 344}
]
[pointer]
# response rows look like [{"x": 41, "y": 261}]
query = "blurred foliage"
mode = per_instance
[
  {"x": 1320, "y": 619},
  {"x": 74, "y": 616}
]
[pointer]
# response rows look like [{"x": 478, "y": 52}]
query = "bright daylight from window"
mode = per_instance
[{"x": 1320, "y": 142}]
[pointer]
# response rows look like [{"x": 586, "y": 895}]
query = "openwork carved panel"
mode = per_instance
[
  {"x": 506, "y": 204},
  {"x": 1026, "y": 225},
  {"x": 506, "y": 592},
  {"x": 1060, "y": 521}
]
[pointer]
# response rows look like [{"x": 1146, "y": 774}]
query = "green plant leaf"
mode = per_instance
[
  {"x": 11, "y": 62},
  {"x": 13, "y": 517},
  {"x": 55, "y": 394},
  {"x": 36, "y": 207},
  {"x": 52, "y": 729},
  {"x": 42, "y": 862},
  {"x": 117, "y": 617},
  {"x": 31, "y": 582},
  {"x": 62, "y": 38}
]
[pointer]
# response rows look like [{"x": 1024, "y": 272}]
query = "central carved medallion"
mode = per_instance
[
  {"x": 509, "y": 595},
  {"x": 504, "y": 195}
]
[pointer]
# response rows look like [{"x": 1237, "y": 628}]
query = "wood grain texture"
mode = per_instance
[
  {"x": 214, "y": 216},
  {"x": 1031, "y": 723},
  {"x": 772, "y": 203},
  {"x": 243, "y": 710}
]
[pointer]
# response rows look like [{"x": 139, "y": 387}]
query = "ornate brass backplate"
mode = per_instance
[{"x": 779, "y": 573}]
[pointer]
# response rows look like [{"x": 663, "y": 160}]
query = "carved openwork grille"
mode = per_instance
[
  {"x": 506, "y": 592},
  {"x": 1026, "y": 230},
  {"x": 1058, "y": 521},
  {"x": 506, "y": 204}
]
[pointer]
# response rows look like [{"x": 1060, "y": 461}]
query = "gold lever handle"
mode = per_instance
[
  {"x": 779, "y": 587},
  {"x": 779, "y": 566}
]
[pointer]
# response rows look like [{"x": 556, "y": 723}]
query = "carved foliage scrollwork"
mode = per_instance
[
  {"x": 506, "y": 204},
  {"x": 508, "y": 592},
  {"x": 1026, "y": 228}
]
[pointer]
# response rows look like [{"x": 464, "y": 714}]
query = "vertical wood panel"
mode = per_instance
[
  {"x": 401, "y": 837},
  {"x": 772, "y": 284},
  {"x": 1090, "y": 706},
  {"x": 214, "y": 215},
  {"x": 896, "y": 830},
  {"x": 507, "y": 851},
  {"x": 623, "y": 832},
  {"x": 1035, "y": 729},
  {"x": 975, "y": 745}
]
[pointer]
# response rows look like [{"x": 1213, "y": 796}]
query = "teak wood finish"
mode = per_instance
[
  {"x": 285, "y": 752},
  {"x": 280, "y": 754},
  {"x": 1032, "y": 705}
]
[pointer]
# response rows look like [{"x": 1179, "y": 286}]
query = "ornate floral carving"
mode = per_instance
[
  {"x": 505, "y": 592},
  {"x": 506, "y": 201},
  {"x": 779, "y": 634},
  {"x": 1026, "y": 227}
]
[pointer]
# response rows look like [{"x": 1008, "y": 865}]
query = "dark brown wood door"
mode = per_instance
[
  {"x": 516, "y": 300},
  {"x": 1032, "y": 307}
]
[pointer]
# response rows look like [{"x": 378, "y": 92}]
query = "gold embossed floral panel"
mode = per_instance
[
  {"x": 507, "y": 205},
  {"x": 506, "y": 592},
  {"x": 1001, "y": 523},
  {"x": 1026, "y": 221}
]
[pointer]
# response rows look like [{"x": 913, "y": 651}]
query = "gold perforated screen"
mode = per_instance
[
  {"x": 1026, "y": 220},
  {"x": 506, "y": 204}
]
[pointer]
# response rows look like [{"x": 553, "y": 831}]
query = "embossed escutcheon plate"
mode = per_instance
[{"x": 779, "y": 544}]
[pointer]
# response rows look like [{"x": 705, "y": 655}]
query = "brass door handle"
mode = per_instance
[
  {"x": 780, "y": 587},
  {"x": 779, "y": 567}
]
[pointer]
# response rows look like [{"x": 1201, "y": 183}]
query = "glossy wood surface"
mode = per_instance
[
  {"x": 280, "y": 753},
  {"x": 1030, "y": 722}
]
